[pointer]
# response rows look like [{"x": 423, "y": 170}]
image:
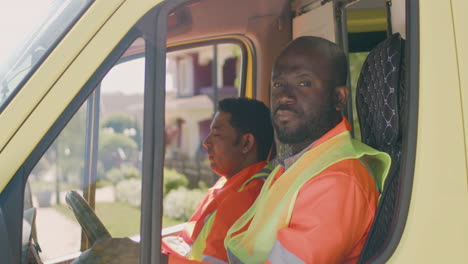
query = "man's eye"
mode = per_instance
[
  {"x": 277, "y": 84},
  {"x": 305, "y": 83}
]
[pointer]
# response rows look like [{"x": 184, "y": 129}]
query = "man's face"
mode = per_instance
[
  {"x": 223, "y": 145},
  {"x": 301, "y": 100}
]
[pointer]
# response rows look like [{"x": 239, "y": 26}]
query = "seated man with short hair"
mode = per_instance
[{"x": 238, "y": 144}]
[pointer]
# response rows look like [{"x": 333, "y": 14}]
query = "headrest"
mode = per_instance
[{"x": 377, "y": 95}]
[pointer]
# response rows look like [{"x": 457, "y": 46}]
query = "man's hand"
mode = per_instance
[{"x": 111, "y": 251}]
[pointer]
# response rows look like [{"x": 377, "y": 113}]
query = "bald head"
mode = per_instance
[
  {"x": 308, "y": 90},
  {"x": 330, "y": 57}
]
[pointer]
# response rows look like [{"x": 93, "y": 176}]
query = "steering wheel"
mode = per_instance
[{"x": 92, "y": 226}]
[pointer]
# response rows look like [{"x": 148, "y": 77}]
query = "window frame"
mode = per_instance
[
  {"x": 218, "y": 41},
  {"x": 153, "y": 160},
  {"x": 15, "y": 188},
  {"x": 92, "y": 134}
]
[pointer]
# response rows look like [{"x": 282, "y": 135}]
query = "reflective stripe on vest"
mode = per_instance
[
  {"x": 199, "y": 245},
  {"x": 273, "y": 208},
  {"x": 279, "y": 254}
]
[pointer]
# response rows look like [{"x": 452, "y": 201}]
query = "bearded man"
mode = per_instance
[{"x": 318, "y": 204}]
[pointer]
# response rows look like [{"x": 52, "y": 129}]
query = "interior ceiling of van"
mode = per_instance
[{"x": 266, "y": 24}]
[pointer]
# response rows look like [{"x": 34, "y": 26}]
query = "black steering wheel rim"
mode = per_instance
[{"x": 91, "y": 224}]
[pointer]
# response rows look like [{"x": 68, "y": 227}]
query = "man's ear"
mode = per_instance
[
  {"x": 341, "y": 97},
  {"x": 248, "y": 142}
]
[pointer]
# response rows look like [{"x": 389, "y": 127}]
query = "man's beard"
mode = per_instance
[{"x": 312, "y": 127}]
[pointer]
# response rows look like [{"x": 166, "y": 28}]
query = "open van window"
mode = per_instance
[
  {"x": 28, "y": 40},
  {"x": 99, "y": 152}
]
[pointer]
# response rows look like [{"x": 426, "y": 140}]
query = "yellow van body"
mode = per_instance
[{"x": 436, "y": 229}]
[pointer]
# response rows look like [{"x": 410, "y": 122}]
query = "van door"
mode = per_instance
[
  {"x": 461, "y": 41},
  {"x": 46, "y": 119}
]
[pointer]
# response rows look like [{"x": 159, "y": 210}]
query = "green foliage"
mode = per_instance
[
  {"x": 100, "y": 171},
  {"x": 117, "y": 175},
  {"x": 102, "y": 183},
  {"x": 237, "y": 82},
  {"x": 203, "y": 186},
  {"x": 123, "y": 123},
  {"x": 114, "y": 175},
  {"x": 131, "y": 173},
  {"x": 116, "y": 148},
  {"x": 119, "y": 122},
  {"x": 111, "y": 142},
  {"x": 64, "y": 158},
  {"x": 355, "y": 64},
  {"x": 120, "y": 219},
  {"x": 173, "y": 180}
]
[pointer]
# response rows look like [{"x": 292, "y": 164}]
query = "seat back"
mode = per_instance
[{"x": 380, "y": 100}]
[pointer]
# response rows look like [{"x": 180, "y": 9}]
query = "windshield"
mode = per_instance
[{"x": 29, "y": 30}]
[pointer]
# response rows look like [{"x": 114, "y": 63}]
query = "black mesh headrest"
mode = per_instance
[
  {"x": 377, "y": 95},
  {"x": 380, "y": 97}
]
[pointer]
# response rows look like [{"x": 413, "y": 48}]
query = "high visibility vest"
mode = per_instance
[
  {"x": 273, "y": 208},
  {"x": 199, "y": 245}
]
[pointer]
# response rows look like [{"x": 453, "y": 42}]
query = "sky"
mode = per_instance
[
  {"x": 128, "y": 79},
  {"x": 17, "y": 18},
  {"x": 125, "y": 78}
]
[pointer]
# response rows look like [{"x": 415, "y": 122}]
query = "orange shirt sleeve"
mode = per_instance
[
  {"x": 228, "y": 212},
  {"x": 332, "y": 215}
]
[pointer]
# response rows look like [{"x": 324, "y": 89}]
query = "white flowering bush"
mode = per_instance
[
  {"x": 116, "y": 175},
  {"x": 129, "y": 191},
  {"x": 181, "y": 203}
]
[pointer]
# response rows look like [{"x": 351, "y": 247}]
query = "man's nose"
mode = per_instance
[
  {"x": 206, "y": 142},
  {"x": 284, "y": 94}
]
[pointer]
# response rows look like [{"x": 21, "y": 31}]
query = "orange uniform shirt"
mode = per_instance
[
  {"x": 230, "y": 204},
  {"x": 332, "y": 215}
]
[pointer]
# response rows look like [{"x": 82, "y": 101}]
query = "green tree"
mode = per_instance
[
  {"x": 173, "y": 180},
  {"x": 115, "y": 149},
  {"x": 67, "y": 151},
  {"x": 123, "y": 123},
  {"x": 117, "y": 175}
]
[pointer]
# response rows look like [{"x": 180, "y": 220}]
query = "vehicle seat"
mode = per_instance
[{"x": 380, "y": 97}]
